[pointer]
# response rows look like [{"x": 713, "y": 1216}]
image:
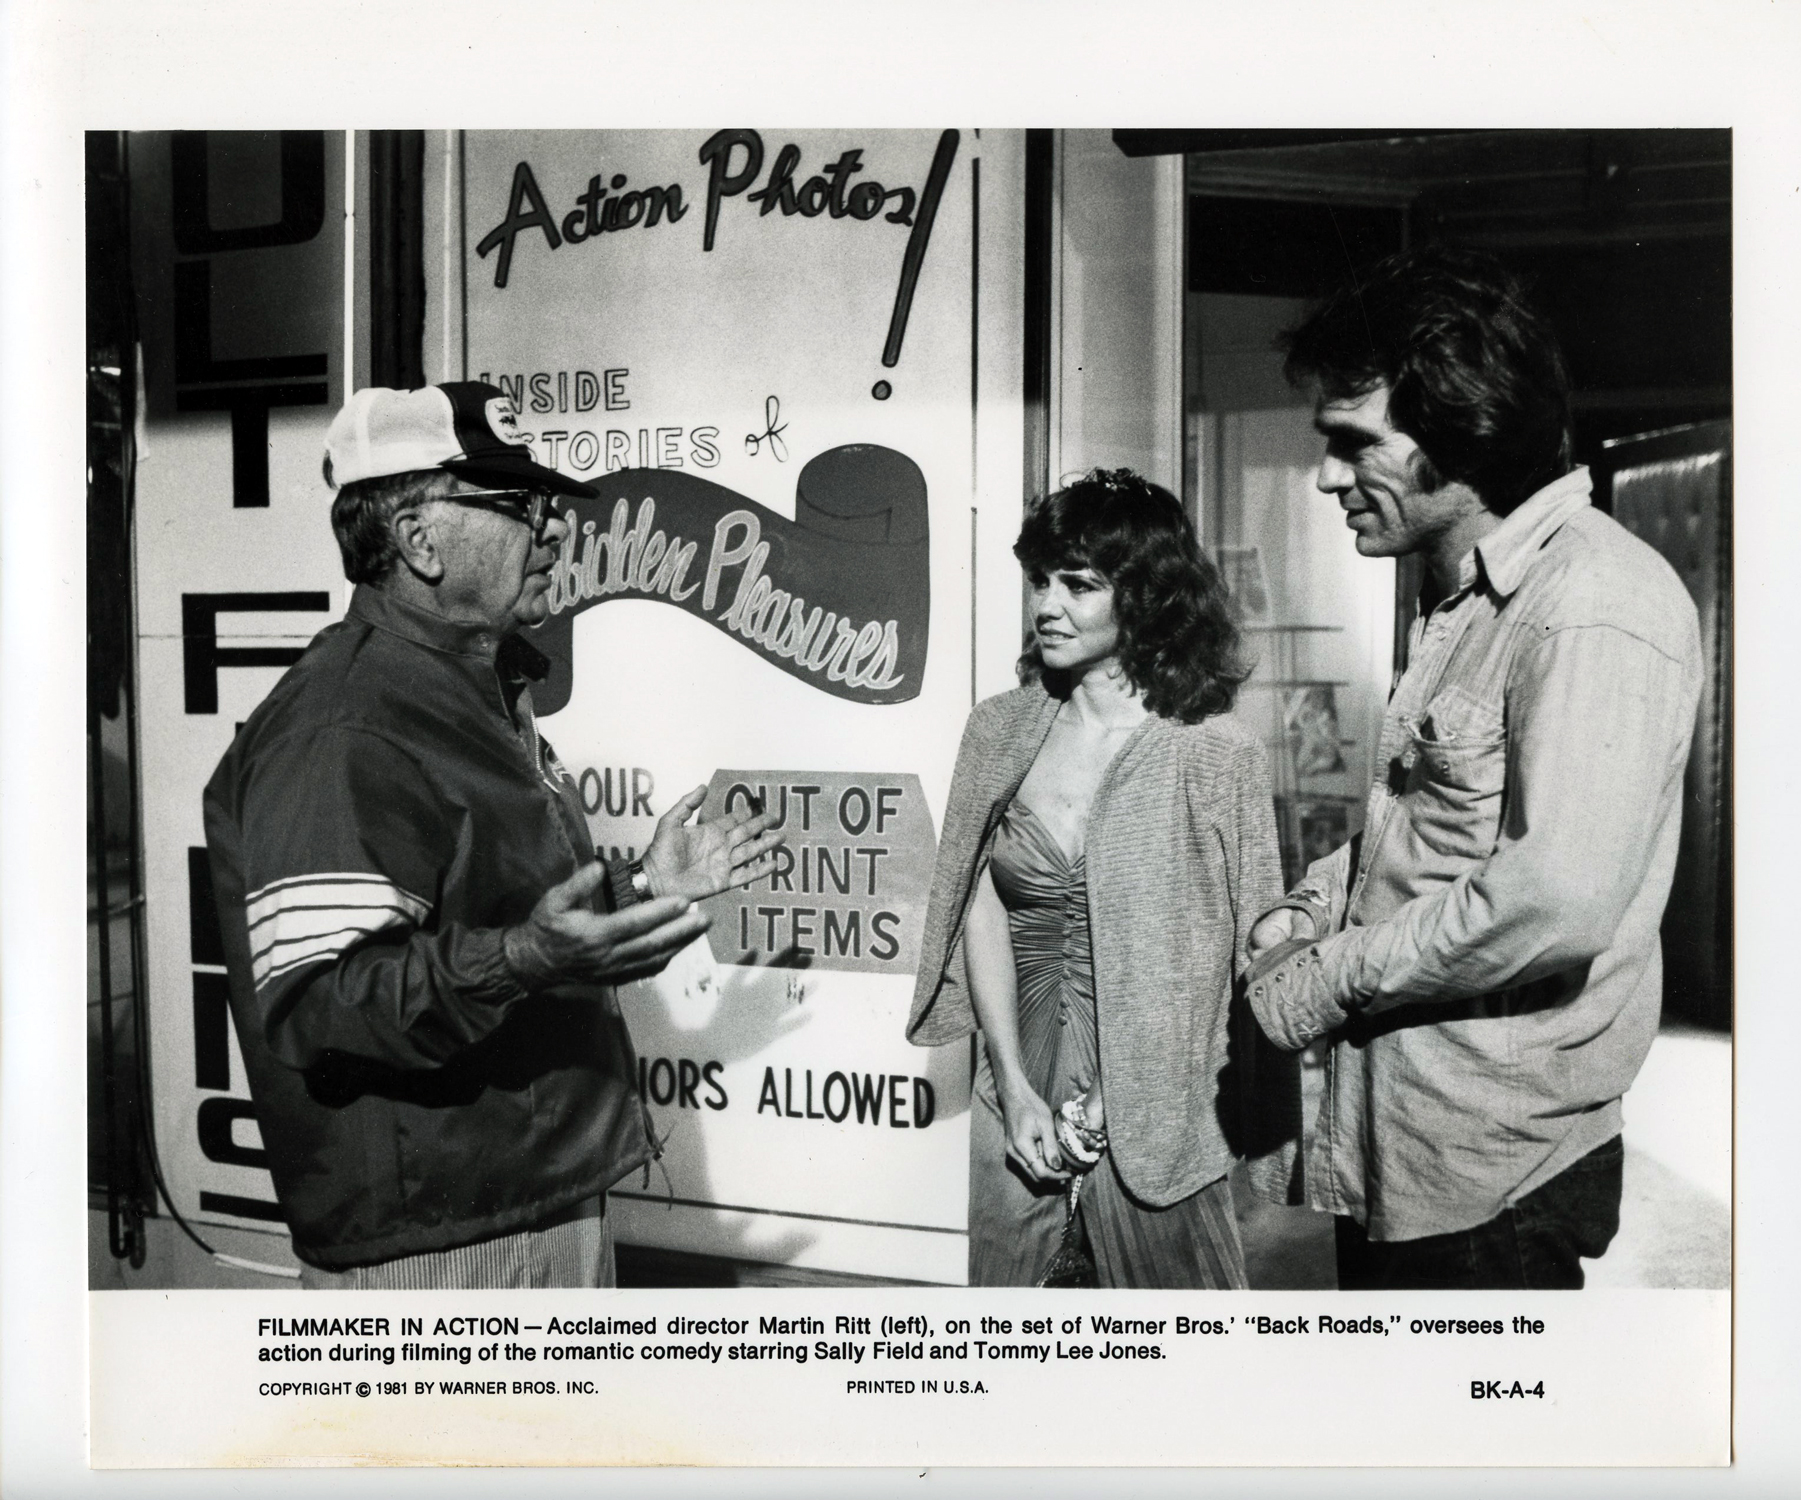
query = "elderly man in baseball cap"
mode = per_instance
[{"x": 422, "y": 946}]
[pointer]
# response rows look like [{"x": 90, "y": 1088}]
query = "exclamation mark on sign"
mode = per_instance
[{"x": 916, "y": 253}]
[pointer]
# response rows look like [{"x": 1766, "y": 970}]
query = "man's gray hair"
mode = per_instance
[{"x": 363, "y": 512}]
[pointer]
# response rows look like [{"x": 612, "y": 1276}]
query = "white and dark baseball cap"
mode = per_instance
[{"x": 467, "y": 427}]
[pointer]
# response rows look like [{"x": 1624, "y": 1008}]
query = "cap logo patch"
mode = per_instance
[{"x": 503, "y": 421}]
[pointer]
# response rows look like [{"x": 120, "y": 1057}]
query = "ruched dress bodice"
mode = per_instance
[{"x": 1046, "y": 898}]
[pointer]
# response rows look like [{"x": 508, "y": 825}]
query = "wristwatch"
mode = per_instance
[{"x": 640, "y": 881}]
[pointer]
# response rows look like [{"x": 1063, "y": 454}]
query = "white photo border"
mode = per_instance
[{"x": 160, "y": 63}]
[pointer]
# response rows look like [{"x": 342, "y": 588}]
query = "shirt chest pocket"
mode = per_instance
[{"x": 1456, "y": 769}]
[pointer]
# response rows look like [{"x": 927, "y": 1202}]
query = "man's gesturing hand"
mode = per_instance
[
  {"x": 565, "y": 940},
  {"x": 703, "y": 859}
]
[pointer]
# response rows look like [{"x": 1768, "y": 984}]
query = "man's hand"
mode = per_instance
[
  {"x": 702, "y": 860},
  {"x": 1279, "y": 927},
  {"x": 564, "y": 939}
]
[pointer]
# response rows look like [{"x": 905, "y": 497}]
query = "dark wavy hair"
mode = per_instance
[
  {"x": 1474, "y": 373},
  {"x": 1177, "y": 641}
]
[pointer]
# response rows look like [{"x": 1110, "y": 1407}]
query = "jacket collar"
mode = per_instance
[
  {"x": 1507, "y": 553},
  {"x": 384, "y": 612},
  {"x": 1021, "y": 740}
]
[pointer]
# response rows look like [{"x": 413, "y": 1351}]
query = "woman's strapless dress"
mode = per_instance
[{"x": 1014, "y": 1225}]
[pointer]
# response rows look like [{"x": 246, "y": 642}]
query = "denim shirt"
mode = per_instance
[{"x": 1494, "y": 977}]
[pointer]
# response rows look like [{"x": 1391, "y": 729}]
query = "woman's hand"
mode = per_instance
[
  {"x": 1031, "y": 1134},
  {"x": 1093, "y": 1109}
]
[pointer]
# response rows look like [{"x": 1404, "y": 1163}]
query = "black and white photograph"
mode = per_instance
[
  {"x": 404, "y": 847},
  {"x": 846, "y": 763}
]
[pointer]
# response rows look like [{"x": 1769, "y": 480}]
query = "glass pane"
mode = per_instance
[{"x": 1318, "y": 618}]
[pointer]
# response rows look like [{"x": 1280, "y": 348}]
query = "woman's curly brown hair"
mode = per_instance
[{"x": 1178, "y": 644}]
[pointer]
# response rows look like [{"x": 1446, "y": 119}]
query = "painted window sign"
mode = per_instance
[
  {"x": 223, "y": 236},
  {"x": 848, "y": 889},
  {"x": 238, "y": 265},
  {"x": 732, "y": 175},
  {"x": 770, "y": 381},
  {"x": 839, "y": 597},
  {"x": 761, "y": 349}
]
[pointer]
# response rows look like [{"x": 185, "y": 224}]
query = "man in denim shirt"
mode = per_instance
[{"x": 1484, "y": 957}]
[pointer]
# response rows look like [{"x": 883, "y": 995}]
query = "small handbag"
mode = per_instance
[
  {"x": 1072, "y": 1265},
  {"x": 1083, "y": 1146}
]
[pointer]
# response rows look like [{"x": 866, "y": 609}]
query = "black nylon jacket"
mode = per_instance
[{"x": 380, "y": 819}]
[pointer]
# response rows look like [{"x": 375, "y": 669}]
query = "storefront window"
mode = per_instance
[{"x": 1318, "y": 618}]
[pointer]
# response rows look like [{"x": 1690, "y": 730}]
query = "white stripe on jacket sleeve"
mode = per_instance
[{"x": 314, "y": 918}]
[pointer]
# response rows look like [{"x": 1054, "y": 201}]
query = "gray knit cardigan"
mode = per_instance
[{"x": 1181, "y": 859}]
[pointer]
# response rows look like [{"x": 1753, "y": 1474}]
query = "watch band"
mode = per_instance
[
  {"x": 640, "y": 881},
  {"x": 1310, "y": 905}
]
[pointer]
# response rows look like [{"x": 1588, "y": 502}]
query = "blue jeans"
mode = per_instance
[{"x": 1537, "y": 1244}]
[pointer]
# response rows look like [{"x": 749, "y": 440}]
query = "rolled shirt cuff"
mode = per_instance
[{"x": 1289, "y": 994}]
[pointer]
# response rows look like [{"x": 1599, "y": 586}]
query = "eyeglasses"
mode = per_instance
[{"x": 534, "y": 507}]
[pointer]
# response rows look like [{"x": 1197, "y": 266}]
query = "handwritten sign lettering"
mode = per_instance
[
  {"x": 839, "y": 597},
  {"x": 847, "y": 890},
  {"x": 733, "y": 159}
]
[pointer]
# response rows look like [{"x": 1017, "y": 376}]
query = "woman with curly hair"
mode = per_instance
[{"x": 1108, "y": 841}]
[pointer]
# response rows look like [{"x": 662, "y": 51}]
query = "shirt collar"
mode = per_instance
[{"x": 1510, "y": 549}]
